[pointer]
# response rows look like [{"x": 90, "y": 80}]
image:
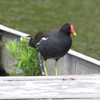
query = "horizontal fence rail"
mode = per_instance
[{"x": 70, "y": 87}]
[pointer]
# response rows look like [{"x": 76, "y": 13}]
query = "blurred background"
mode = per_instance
[{"x": 32, "y": 16}]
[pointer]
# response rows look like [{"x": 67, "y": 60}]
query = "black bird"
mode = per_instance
[{"x": 53, "y": 43}]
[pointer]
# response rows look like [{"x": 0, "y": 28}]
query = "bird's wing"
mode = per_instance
[
  {"x": 34, "y": 40},
  {"x": 45, "y": 34}
]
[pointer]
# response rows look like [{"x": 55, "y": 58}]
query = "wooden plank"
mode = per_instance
[
  {"x": 50, "y": 78},
  {"x": 60, "y": 87}
]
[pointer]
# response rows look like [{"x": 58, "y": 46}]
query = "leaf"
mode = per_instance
[
  {"x": 23, "y": 56},
  {"x": 19, "y": 64},
  {"x": 11, "y": 46}
]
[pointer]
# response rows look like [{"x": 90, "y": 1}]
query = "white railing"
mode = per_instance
[{"x": 72, "y": 63}]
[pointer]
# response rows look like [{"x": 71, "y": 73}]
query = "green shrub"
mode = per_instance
[
  {"x": 25, "y": 57},
  {"x": 2, "y": 43}
]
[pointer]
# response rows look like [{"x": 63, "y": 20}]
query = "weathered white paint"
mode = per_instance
[
  {"x": 10, "y": 30},
  {"x": 51, "y": 87},
  {"x": 84, "y": 57}
]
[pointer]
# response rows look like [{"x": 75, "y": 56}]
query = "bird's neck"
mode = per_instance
[{"x": 64, "y": 33}]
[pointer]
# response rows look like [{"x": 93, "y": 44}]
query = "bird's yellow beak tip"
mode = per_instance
[{"x": 75, "y": 34}]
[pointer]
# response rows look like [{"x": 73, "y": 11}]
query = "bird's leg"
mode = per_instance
[
  {"x": 41, "y": 64},
  {"x": 45, "y": 69},
  {"x": 56, "y": 67}
]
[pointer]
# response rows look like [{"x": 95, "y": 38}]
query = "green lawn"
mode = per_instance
[{"x": 31, "y": 16}]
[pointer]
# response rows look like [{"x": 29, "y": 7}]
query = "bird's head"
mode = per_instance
[{"x": 68, "y": 28}]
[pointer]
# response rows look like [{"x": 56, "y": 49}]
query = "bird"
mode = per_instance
[{"x": 53, "y": 43}]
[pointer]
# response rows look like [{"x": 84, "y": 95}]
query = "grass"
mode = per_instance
[{"x": 31, "y": 16}]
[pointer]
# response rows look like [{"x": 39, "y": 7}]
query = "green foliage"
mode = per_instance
[
  {"x": 2, "y": 43},
  {"x": 25, "y": 57}
]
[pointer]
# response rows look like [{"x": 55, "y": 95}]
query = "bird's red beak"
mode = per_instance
[{"x": 72, "y": 29}]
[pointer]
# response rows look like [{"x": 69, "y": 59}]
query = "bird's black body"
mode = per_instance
[
  {"x": 52, "y": 43},
  {"x": 55, "y": 44}
]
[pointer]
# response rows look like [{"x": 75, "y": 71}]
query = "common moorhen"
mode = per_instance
[{"x": 53, "y": 43}]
